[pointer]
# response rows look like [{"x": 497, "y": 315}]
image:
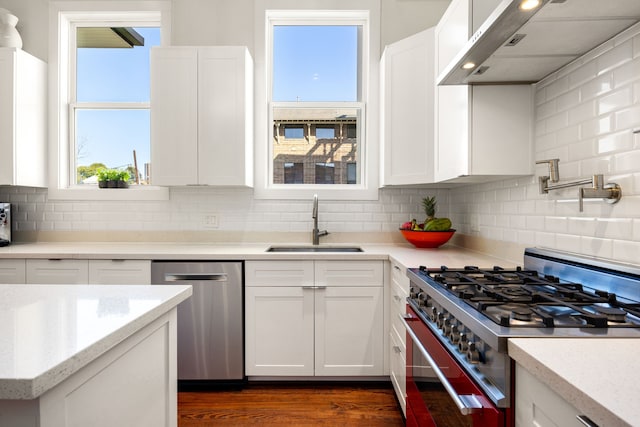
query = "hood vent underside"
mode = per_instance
[{"x": 513, "y": 46}]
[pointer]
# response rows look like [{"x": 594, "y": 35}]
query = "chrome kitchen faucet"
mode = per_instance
[{"x": 316, "y": 233}]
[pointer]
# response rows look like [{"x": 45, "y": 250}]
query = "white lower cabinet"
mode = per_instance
[
  {"x": 83, "y": 271},
  {"x": 538, "y": 405},
  {"x": 399, "y": 291},
  {"x": 306, "y": 318},
  {"x": 12, "y": 271}
]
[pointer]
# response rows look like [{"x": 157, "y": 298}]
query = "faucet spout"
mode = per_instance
[{"x": 316, "y": 234}]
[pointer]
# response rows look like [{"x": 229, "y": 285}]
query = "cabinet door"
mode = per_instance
[
  {"x": 349, "y": 334},
  {"x": 119, "y": 272},
  {"x": 452, "y": 132},
  {"x": 279, "y": 331},
  {"x": 23, "y": 119},
  {"x": 398, "y": 370},
  {"x": 408, "y": 85},
  {"x": 12, "y": 271},
  {"x": 225, "y": 107},
  {"x": 174, "y": 116},
  {"x": 57, "y": 271},
  {"x": 538, "y": 405}
]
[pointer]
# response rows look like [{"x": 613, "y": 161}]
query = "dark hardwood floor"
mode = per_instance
[{"x": 292, "y": 404}]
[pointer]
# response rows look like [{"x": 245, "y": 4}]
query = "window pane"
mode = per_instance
[
  {"x": 108, "y": 138},
  {"x": 293, "y": 173},
  {"x": 113, "y": 74},
  {"x": 294, "y": 132},
  {"x": 328, "y": 155},
  {"x": 325, "y": 133},
  {"x": 315, "y": 63}
]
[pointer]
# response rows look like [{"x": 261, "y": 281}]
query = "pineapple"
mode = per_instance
[{"x": 429, "y": 204}]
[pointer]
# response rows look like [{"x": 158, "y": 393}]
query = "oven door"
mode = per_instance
[{"x": 439, "y": 393}]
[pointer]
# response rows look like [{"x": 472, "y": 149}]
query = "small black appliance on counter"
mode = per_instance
[{"x": 5, "y": 224}]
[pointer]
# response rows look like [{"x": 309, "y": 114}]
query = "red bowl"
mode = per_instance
[{"x": 427, "y": 239}]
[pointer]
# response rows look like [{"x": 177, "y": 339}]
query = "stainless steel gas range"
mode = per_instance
[{"x": 460, "y": 319}]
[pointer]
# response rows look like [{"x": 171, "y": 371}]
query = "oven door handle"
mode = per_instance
[{"x": 468, "y": 403}]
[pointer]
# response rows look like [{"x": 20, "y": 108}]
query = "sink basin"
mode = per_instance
[{"x": 314, "y": 249}]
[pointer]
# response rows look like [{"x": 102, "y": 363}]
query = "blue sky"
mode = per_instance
[{"x": 315, "y": 63}]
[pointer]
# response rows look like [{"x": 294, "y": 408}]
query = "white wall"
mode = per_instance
[{"x": 585, "y": 115}]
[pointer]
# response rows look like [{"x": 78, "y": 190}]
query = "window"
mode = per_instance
[
  {"x": 100, "y": 110},
  {"x": 317, "y": 89},
  {"x": 110, "y": 99}
]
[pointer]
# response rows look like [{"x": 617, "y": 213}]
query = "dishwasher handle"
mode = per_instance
[{"x": 199, "y": 277}]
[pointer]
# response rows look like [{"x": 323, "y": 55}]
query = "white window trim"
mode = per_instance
[
  {"x": 353, "y": 9},
  {"x": 61, "y": 15}
]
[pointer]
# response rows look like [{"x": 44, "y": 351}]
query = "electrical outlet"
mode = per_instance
[{"x": 210, "y": 221}]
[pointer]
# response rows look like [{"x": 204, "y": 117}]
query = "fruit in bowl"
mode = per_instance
[{"x": 433, "y": 232}]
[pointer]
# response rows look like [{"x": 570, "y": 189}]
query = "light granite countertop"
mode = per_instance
[
  {"x": 406, "y": 255},
  {"x": 599, "y": 377},
  {"x": 49, "y": 332}
]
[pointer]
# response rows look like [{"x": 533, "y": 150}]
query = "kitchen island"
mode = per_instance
[{"x": 99, "y": 355}]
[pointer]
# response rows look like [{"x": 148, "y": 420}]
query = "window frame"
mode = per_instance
[
  {"x": 65, "y": 16},
  {"x": 364, "y": 13}
]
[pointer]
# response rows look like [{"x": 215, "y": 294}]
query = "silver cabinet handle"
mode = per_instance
[
  {"x": 220, "y": 277},
  {"x": 314, "y": 287},
  {"x": 397, "y": 349},
  {"x": 586, "y": 421},
  {"x": 397, "y": 298},
  {"x": 397, "y": 268},
  {"x": 467, "y": 404}
]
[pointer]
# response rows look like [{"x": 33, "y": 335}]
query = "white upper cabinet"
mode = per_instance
[
  {"x": 482, "y": 132},
  {"x": 407, "y": 68},
  {"x": 23, "y": 119},
  {"x": 201, "y": 116}
]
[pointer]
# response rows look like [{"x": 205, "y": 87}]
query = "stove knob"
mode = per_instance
[
  {"x": 422, "y": 299},
  {"x": 446, "y": 327},
  {"x": 434, "y": 314},
  {"x": 454, "y": 335},
  {"x": 440, "y": 320},
  {"x": 463, "y": 344},
  {"x": 473, "y": 355}
]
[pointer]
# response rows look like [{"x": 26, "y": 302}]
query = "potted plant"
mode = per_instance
[{"x": 113, "y": 178}]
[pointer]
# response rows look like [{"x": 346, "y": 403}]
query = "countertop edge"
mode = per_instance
[
  {"x": 33, "y": 388},
  {"x": 556, "y": 381}
]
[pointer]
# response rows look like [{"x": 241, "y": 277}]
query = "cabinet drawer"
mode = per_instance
[
  {"x": 279, "y": 273},
  {"x": 399, "y": 275},
  {"x": 119, "y": 272},
  {"x": 12, "y": 271},
  {"x": 398, "y": 308},
  {"x": 349, "y": 273},
  {"x": 57, "y": 271}
]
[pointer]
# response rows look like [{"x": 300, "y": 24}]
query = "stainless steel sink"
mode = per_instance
[{"x": 314, "y": 249}]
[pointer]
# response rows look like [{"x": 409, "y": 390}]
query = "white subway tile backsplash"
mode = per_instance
[
  {"x": 614, "y": 58},
  {"x": 622, "y": 98}
]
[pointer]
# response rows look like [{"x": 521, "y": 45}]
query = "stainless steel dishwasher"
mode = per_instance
[{"x": 210, "y": 323}]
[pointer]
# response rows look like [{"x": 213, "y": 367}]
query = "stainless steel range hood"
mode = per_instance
[{"x": 515, "y": 46}]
